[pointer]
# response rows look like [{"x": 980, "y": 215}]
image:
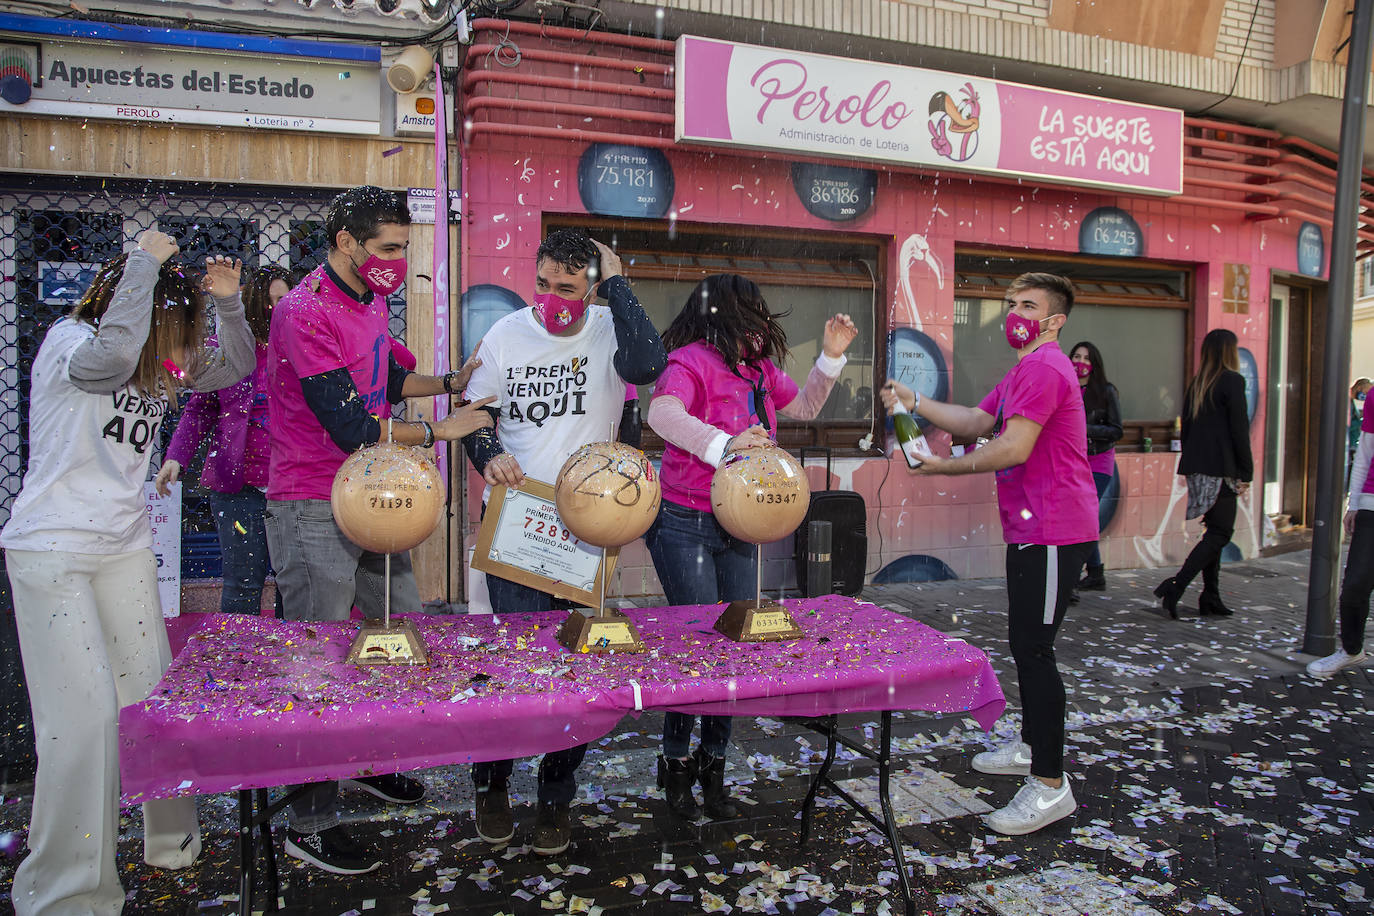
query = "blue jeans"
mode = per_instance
[
  {"x": 558, "y": 769},
  {"x": 1102, "y": 481},
  {"x": 243, "y": 549},
  {"x": 320, "y": 576},
  {"x": 699, "y": 562}
]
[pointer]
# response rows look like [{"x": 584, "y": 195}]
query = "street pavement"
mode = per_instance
[{"x": 1212, "y": 775}]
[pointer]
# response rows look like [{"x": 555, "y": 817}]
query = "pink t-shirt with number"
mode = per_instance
[
  {"x": 1050, "y": 499},
  {"x": 317, "y": 328},
  {"x": 698, "y": 377}
]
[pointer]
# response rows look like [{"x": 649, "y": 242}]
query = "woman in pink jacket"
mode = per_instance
[{"x": 235, "y": 470}]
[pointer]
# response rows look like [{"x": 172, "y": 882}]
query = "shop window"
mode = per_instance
[
  {"x": 200, "y": 237},
  {"x": 1366, "y": 279},
  {"x": 812, "y": 279},
  {"x": 1137, "y": 315}
]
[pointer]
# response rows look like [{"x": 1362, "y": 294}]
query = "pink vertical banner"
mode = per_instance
[{"x": 441, "y": 364}]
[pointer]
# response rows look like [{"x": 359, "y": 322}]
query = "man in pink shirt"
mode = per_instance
[
  {"x": 332, "y": 376},
  {"x": 1048, "y": 506}
]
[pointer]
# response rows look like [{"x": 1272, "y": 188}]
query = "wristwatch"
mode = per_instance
[{"x": 429, "y": 435}]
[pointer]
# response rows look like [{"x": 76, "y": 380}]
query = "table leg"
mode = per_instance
[
  {"x": 270, "y": 848},
  {"x": 894, "y": 835},
  {"x": 245, "y": 852},
  {"x": 808, "y": 804}
]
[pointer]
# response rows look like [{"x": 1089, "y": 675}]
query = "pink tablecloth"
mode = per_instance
[{"x": 253, "y": 702}]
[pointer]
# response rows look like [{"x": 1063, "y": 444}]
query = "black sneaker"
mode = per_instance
[
  {"x": 333, "y": 850},
  {"x": 495, "y": 823},
  {"x": 395, "y": 788},
  {"x": 552, "y": 832}
]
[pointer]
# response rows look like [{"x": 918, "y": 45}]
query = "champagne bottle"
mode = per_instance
[{"x": 909, "y": 438}]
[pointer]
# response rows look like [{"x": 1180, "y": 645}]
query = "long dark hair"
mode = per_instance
[
  {"x": 257, "y": 299},
  {"x": 178, "y": 321},
  {"x": 726, "y": 311},
  {"x": 1095, "y": 392},
  {"x": 1220, "y": 353}
]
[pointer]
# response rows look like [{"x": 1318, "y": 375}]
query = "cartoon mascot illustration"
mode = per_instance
[{"x": 954, "y": 124}]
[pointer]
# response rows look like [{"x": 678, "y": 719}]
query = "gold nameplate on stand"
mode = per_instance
[
  {"x": 608, "y": 631},
  {"x": 380, "y": 644},
  {"x": 754, "y": 621}
]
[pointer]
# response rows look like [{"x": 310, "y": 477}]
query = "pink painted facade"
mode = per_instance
[{"x": 512, "y": 183}]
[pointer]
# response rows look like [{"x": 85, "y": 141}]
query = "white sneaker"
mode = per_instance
[
  {"x": 1325, "y": 667},
  {"x": 1034, "y": 805},
  {"x": 1012, "y": 759}
]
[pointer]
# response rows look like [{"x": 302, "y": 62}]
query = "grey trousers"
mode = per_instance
[
  {"x": 320, "y": 576},
  {"x": 92, "y": 638}
]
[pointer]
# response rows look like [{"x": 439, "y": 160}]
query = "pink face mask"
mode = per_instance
[
  {"x": 1083, "y": 369},
  {"x": 1021, "y": 331},
  {"x": 556, "y": 312},
  {"x": 381, "y": 276}
]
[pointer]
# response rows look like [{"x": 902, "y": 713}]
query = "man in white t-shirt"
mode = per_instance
[{"x": 558, "y": 372}]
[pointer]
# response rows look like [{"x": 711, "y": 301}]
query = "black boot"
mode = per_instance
[
  {"x": 715, "y": 797},
  {"x": 1168, "y": 593},
  {"x": 1094, "y": 581},
  {"x": 676, "y": 778},
  {"x": 1209, "y": 604}
]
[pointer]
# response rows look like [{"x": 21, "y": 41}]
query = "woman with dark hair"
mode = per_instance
[
  {"x": 235, "y": 470},
  {"x": 1103, "y": 411},
  {"x": 78, "y": 548},
  {"x": 722, "y": 391},
  {"x": 1216, "y": 461}
]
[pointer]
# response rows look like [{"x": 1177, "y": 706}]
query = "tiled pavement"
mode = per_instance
[{"x": 1212, "y": 777}]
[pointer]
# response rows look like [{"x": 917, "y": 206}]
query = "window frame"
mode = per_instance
[
  {"x": 1136, "y": 430},
  {"x": 839, "y": 435}
]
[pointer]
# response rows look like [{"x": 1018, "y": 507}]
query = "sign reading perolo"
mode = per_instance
[{"x": 765, "y": 98}]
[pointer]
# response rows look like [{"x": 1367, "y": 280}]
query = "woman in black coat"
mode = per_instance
[{"x": 1216, "y": 460}]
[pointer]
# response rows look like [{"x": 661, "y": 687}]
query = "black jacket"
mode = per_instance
[
  {"x": 1104, "y": 423},
  {"x": 1217, "y": 441}
]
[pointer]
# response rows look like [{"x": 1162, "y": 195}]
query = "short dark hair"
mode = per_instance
[
  {"x": 362, "y": 211},
  {"x": 570, "y": 249},
  {"x": 1060, "y": 289}
]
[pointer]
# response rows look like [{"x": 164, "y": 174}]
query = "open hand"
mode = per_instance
[
  {"x": 466, "y": 419},
  {"x": 610, "y": 265},
  {"x": 839, "y": 334},
  {"x": 222, "y": 276},
  {"x": 753, "y": 437},
  {"x": 464, "y": 373}
]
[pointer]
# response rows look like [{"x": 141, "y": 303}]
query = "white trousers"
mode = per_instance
[{"x": 92, "y": 638}]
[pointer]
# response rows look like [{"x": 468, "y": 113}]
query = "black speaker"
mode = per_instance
[{"x": 848, "y": 518}]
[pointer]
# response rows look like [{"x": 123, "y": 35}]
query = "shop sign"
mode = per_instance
[
  {"x": 618, "y": 180},
  {"x": 415, "y": 114},
  {"x": 1311, "y": 250},
  {"x": 766, "y": 98},
  {"x": 834, "y": 192},
  {"x": 64, "y": 282},
  {"x": 1111, "y": 231},
  {"x": 420, "y": 202},
  {"x": 164, "y": 516},
  {"x": 138, "y": 82}
]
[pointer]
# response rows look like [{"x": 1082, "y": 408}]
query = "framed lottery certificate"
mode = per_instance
[{"x": 523, "y": 539}]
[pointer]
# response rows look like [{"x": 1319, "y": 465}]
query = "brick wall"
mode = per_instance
[
  {"x": 1235, "y": 21},
  {"x": 1031, "y": 12}
]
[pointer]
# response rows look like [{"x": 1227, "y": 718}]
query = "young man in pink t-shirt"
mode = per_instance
[
  {"x": 1048, "y": 506},
  {"x": 332, "y": 376}
]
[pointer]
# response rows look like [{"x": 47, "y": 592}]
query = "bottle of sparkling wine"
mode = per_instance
[
  {"x": 1176, "y": 437},
  {"x": 909, "y": 437}
]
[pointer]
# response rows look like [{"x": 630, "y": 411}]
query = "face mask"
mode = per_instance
[
  {"x": 381, "y": 276},
  {"x": 1083, "y": 369},
  {"x": 1360, "y": 396},
  {"x": 1021, "y": 331},
  {"x": 556, "y": 312}
]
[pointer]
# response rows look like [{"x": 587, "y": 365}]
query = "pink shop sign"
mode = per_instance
[{"x": 732, "y": 94}]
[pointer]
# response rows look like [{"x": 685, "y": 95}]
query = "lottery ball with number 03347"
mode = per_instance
[
  {"x": 607, "y": 494},
  {"x": 760, "y": 495},
  {"x": 387, "y": 497}
]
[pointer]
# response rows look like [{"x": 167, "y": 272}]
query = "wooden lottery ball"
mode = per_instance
[
  {"x": 607, "y": 494},
  {"x": 760, "y": 495},
  {"x": 387, "y": 497}
]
